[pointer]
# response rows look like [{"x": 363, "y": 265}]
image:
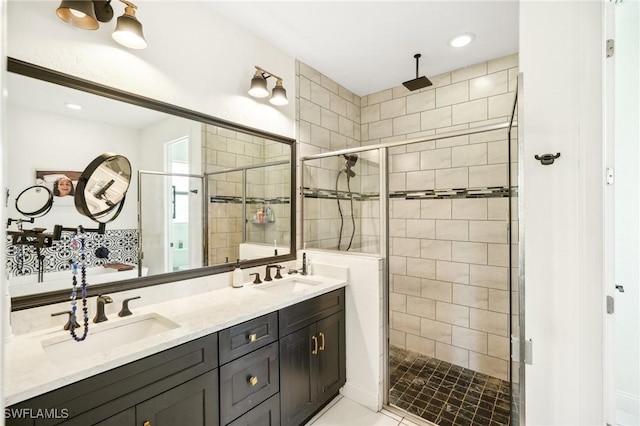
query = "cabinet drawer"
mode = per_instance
[
  {"x": 295, "y": 317},
  {"x": 265, "y": 414},
  {"x": 248, "y": 381},
  {"x": 241, "y": 339}
]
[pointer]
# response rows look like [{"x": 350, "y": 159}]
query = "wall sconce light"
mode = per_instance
[
  {"x": 87, "y": 14},
  {"x": 258, "y": 88}
]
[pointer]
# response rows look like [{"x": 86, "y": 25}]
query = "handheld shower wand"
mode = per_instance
[{"x": 351, "y": 160}]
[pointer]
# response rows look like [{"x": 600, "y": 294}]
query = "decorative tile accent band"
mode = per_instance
[
  {"x": 228, "y": 199},
  {"x": 121, "y": 243},
  {"x": 491, "y": 192}
]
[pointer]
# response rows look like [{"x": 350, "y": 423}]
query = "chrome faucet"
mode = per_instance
[
  {"x": 267, "y": 274},
  {"x": 100, "y": 302}
]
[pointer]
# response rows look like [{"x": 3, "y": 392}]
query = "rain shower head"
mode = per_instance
[
  {"x": 418, "y": 82},
  {"x": 352, "y": 159}
]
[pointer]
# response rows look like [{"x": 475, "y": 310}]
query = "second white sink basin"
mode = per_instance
[
  {"x": 105, "y": 336},
  {"x": 287, "y": 285}
]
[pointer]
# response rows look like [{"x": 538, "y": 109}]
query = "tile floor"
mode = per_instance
[
  {"x": 344, "y": 412},
  {"x": 446, "y": 394}
]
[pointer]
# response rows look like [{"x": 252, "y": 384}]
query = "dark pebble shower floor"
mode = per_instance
[{"x": 446, "y": 394}]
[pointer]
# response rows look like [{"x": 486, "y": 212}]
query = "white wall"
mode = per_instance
[
  {"x": 46, "y": 141},
  {"x": 627, "y": 210},
  {"x": 196, "y": 59},
  {"x": 561, "y": 57}
]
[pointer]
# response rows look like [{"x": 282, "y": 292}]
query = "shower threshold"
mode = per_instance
[{"x": 444, "y": 393}]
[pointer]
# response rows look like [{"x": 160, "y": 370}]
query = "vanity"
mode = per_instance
[
  {"x": 263, "y": 354},
  {"x": 272, "y": 353}
]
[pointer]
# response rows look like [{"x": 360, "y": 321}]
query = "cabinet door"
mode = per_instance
[
  {"x": 331, "y": 356},
  {"x": 298, "y": 376},
  {"x": 194, "y": 403}
]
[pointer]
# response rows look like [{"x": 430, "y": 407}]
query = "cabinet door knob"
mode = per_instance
[
  {"x": 253, "y": 337},
  {"x": 253, "y": 380},
  {"x": 147, "y": 423},
  {"x": 322, "y": 344},
  {"x": 315, "y": 345}
]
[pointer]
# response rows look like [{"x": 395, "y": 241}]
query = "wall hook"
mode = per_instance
[{"x": 547, "y": 159}]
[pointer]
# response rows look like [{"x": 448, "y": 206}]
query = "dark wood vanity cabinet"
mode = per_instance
[
  {"x": 312, "y": 356},
  {"x": 149, "y": 385},
  {"x": 277, "y": 369}
]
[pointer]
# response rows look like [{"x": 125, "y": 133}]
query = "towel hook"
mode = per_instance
[{"x": 547, "y": 159}]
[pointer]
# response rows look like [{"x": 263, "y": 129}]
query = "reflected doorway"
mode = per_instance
[{"x": 178, "y": 223}]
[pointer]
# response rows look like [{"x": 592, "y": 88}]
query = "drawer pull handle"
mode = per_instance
[
  {"x": 253, "y": 380},
  {"x": 147, "y": 423},
  {"x": 253, "y": 337},
  {"x": 315, "y": 345},
  {"x": 322, "y": 344}
]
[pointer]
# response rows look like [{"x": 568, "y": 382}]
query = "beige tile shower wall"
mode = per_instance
[
  {"x": 225, "y": 149},
  {"x": 449, "y": 258},
  {"x": 328, "y": 118},
  {"x": 277, "y": 181}
]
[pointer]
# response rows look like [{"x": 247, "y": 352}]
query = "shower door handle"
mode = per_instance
[{"x": 173, "y": 201}]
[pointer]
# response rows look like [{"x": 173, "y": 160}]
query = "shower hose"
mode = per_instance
[{"x": 353, "y": 221}]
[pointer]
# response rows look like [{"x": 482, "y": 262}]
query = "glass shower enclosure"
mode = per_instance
[{"x": 442, "y": 210}]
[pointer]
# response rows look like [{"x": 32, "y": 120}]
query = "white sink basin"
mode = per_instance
[
  {"x": 106, "y": 336},
  {"x": 287, "y": 285}
]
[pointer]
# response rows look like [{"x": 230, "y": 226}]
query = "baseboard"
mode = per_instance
[
  {"x": 628, "y": 402},
  {"x": 362, "y": 396}
]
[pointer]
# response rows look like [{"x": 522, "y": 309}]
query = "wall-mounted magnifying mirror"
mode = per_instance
[
  {"x": 102, "y": 187},
  {"x": 35, "y": 201}
]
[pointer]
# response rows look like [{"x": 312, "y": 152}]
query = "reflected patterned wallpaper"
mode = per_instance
[{"x": 122, "y": 246}]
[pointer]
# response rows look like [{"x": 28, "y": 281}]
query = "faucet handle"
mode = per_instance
[
  {"x": 257, "y": 279},
  {"x": 278, "y": 268},
  {"x": 68, "y": 324},
  {"x": 125, "y": 312}
]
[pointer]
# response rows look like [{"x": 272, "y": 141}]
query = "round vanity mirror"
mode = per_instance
[
  {"x": 102, "y": 187},
  {"x": 34, "y": 201}
]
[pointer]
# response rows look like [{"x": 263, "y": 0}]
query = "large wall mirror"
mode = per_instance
[{"x": 204, "y": 192}]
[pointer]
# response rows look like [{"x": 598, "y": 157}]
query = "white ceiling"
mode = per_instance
[
  {"x": 43, "y": 96},
  {"x": 368, "y": 46}
]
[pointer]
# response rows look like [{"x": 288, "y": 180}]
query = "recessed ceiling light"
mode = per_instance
[
  {"x": 73, "y": 106},
  {"x": 461, "y": 40}
]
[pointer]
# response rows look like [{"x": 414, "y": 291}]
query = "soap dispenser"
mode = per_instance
[{"x": 237, "y": 276}]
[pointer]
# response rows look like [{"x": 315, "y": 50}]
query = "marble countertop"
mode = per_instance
[{"x": 30, "y": 371}]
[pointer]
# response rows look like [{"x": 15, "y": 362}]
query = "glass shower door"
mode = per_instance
[{"x": 516, "y": 260}]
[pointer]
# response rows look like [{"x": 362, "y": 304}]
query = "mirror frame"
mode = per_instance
[{"x": 45, "y": 74}]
